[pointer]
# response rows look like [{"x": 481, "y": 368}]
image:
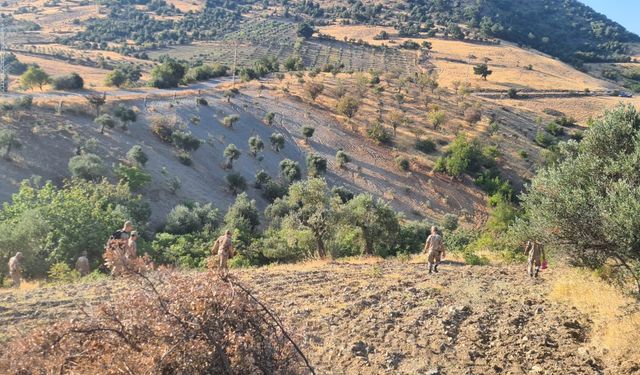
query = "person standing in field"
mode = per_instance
[
  {"x": 223, "y": 247},
  {"x": 535, "y": 252},
  {"x": 82, "y": 264},
  {"x": 15, "y": 269},
  {"x": 434, "y": 247}
]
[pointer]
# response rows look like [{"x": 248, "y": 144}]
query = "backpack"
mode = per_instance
[{"x": 117, "y": 235}]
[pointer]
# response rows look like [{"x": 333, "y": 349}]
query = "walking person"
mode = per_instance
[
  {"x": 223, "y": 247},
  {"x": 15, "y": 269},
  {"x": 434, "y": 247},
  {"x": 536, "y": 256}
]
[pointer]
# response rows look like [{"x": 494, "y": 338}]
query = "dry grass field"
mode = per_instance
[{"x": 454, "y": 61}]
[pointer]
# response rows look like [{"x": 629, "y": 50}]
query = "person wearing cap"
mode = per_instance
[
  {"x": 15, "y": 269},
  {"x": 434, "y": 247},
  {"x": 223, "y": 247},
  {"x": 82, "y": 264}
]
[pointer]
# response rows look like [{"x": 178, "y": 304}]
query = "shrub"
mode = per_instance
[
  {"x": 167, "y": 75},
  {"x": 462, "y": 157},
  {"x": 87, "y": 166},
  {"x": 378, "y": 133},
  {"x": 202, "y": 101},
  {"x": 343, "y": 193},
  {"x": 184, "y": 219},
  {"x": 277, "y": 141},
  {"x": 314, "y": 89},
  {"x": 342, "y": 158},
  {"x": 9, "y": 141},
  {"x": 450, "y": 222},
  {"x": 308, "y": 132},
  {"x": 426, "y": 146},
  {"x": 185, "y": 141},
  {"x": 523, "y": 154},
  {"x": 184, "y": 158},
  {"x": 316, "y": 165},
  {"x": 231, "y": 153},
  {"x": 236, "y": 183},
  {"x": 135, "y": 177},
  {"x": 512, "y": 93},
  {"x": 269, "y": 117},
  {"x": 402, "y": 163},
  {"x": 125, "y": 115},
  {"x": 231, "y": 323},
  {"x": 347, "y": 106},
  {"x": 255, "y": 145},
  {"x": 104, "y": 121},
  {"x": 273, "y": 190},
  {"x": 116, "y": 77},
  {"x": 230, "y": 120},
  {"x": 261, "y": 178},
  {"x": 60, "y": 272},
  {"x": 566, "y": 121},
  {"x": 554, "y": 129},
  {"x": 472, "y": 115},
  {"x": 71, "y": 81},
  {"x": 163, "y": 128},
  {"x": 290, "y": 170},
  {"x": 544, "y": 139},
  {"x": 136, "y": 154}
]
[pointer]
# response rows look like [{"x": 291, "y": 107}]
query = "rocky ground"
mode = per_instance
[{"x": 390, "y": 317}]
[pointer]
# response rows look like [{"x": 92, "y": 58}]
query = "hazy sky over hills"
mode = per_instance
[{"x": 624, "y": 12}]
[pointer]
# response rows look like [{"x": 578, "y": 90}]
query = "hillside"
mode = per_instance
[{"x": 375, "y": 317}]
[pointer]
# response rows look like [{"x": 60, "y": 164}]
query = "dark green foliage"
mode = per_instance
[
  {"x": 586, "y": 205},
  {"x": 450, "y": 222},
  {"x": 290, "y": 170},
  {"x": 554, "y": 129},
  {"x": 184, "y": 157},
  {"x": 343, "y": 193},
  {"x": 376, "y": 221},
  {"x": 243, "y": 219},
  {"x": 255, "y": 145},
  {"x": 410, "y": 44},
  {"x": 294, "y": 64},
  {"x": 269, "y": 117},
  {"x": 308, "y": 132},
  {"x": 462, "y": 156},
  {"x": 512, "y": 93},
  {"x": 277, "y": 141},
  {"x": 261, "y": 178},
  {"x": 236, "y": 183},
  {"x": 125, "y": 115},
  {"x": 185, "y": 141},
  {"x": 87, "y": 166},
  {"x": 342, "y": 158},
  {"x": 273, "y": 190},
  {"x": 104, "y": 121},
  {"x": 544, "y": 139},
  {"x": 347, "y": 106},
  {"x": 316, "y": 165},
  {"x": 135, "y": 177},
  {"x": 71, "y": 81},
  {"x": 482, "y": 70},
  {"x": 402, "y": 163},
  {"x": 204, "y": 72},
  {"x": 378, "y": 133},
  {"x": 412, "y": 237},
  {"x": 167, "y": 75},
  {"x": 305, "y": 30},
  {"x": 232, "y": 153},
  {"x": 50, "y": 224},
  {"x": 8, "y": 141},
  {"x": 426, "y": 146}
]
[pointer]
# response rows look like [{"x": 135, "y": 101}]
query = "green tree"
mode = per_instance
[
  {"x": 305, "y": 30},
  {"x": 236, "y": 183},
  {"x": 262, "y": 178},
  {"x": 125, "y": 114},
  {"x": 167, "y": 75},
  {"x": 87, "y": 166},
  {"x": 68, "y": 220},
  {"x": 192, "y": 218},
  {"x": 437, "y": 118},
  {"x": 8, "y": 141},
  {"x": 586, "y": 206},
  {"x": 377, "y": 222},
  {"x": 347, "y": 106},
  {"x": 229, "y": 121},
  {"x": 136, "y": 154},
  {"x": 134, "y": 176},
  {"x": 243, "y": 219},
  {"x": 116, "y": 78},
  {"x": 342, "y": 158},
  {"x": 290, "y": 170},
  {"x": 255, "y": 145},
  {"x": 277, "y": 141},
  {"x": 97, "y": 101},
  {"x": 307, "y": 132},
  {"x": 312, "y": 210},
  {"x": 482, "y": 70},
  {"x": 105, "y": 121},
  {"x": 231, "y": 153},
  {"x": 269, "y": 117},
  {"x": 316, "y": 165},
  {"x": 34, "y": 76},
  {"x": 314, "y": 89}
]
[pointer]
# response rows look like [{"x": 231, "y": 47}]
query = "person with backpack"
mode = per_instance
[
  {"x": 124, "y": 233},
  {"x": 535, "y": 252},
  {"x": 434, "y": 247},
  {"x": 223, "y": 247}
]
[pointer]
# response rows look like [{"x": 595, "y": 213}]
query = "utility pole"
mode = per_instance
[
  {"x": 4, "y": 77},
  {"x": 235, "y": 62}
]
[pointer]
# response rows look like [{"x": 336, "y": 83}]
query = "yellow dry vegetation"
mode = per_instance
[
  {"x": 580, "y": 108},
  {"x": 187, "y": 5},
  {"x": 454, "y": 60},
  {"x": 615, "y": 330},
  {"x": 93, "y": 77}
]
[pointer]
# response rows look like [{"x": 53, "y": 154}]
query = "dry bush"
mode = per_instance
[
  {"x": 472, "y": 115},
  {"x": 166, "y": 323},
  {"x": 164, "y": 127}
]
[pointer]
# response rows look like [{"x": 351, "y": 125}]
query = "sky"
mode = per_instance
[{"x": 624, "y": 12}]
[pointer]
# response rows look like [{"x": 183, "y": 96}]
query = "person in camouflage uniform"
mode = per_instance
[
  {"x": 15, "y": 269},
  {"x": 82, "y": 264},
  {"x": 223, "y": 247},
  {"x": 535, "y": 252},
  {"x": 434, "y": 247}
]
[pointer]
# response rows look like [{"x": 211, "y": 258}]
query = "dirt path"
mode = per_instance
[{"x": 389, "y": 317}]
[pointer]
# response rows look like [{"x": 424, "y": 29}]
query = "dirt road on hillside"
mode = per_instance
[{"x": 389, "y": 318}]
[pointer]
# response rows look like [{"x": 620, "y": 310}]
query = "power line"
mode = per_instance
[{"x": 4, "y": 76}]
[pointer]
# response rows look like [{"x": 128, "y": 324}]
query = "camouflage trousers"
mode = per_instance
[
  {"x": 434, "y": 257},
  {"x": 16, "y": 276},
  {"x": 533, "y": 265}
]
